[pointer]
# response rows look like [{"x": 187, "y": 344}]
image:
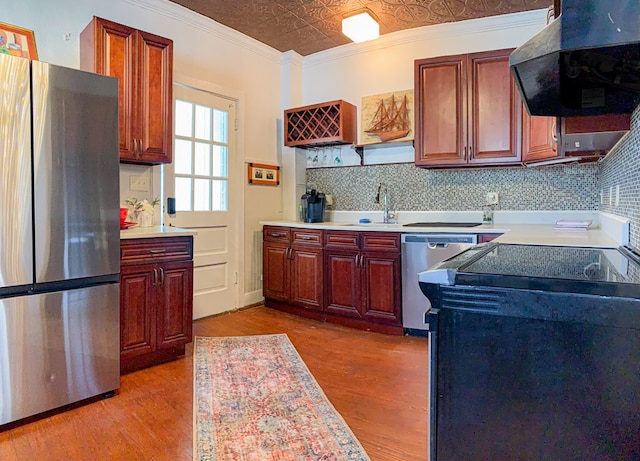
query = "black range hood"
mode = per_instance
[{"x": 586, "y": 62}]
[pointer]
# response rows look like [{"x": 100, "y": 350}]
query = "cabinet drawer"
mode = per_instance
[
  {"x": 161, "y": 249},
  {"x": 307, "y": 237},
  {"x": 276, "y": 234},
  {"x": 379, "y": 241},
  {"x": 342, "y": 240}
]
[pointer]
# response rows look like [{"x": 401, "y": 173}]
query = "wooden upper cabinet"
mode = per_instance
[
  {"x": 539, "y": 137},
  {"x": 441, "y": 111},
  {"x": 467, "y": 111},
  {"x": 143, "y": 64},
  {"x": 326, "y": 124}
]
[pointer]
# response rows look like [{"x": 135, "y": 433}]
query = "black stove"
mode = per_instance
[
  {"x": 442, "y": 224},
  {"x": 537, "y": 345}
]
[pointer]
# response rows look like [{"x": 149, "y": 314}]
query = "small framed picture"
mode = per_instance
[
  {"x": 268, "y": 175},
  {"x": 17, "y": 41}
]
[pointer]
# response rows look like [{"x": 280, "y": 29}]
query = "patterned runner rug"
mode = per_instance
[{"x": 255, "y": 400}]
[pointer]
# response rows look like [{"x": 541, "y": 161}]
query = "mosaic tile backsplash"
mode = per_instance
[
  {"x": 622, "y": 168},
  {"x": 560, "y": 187}
]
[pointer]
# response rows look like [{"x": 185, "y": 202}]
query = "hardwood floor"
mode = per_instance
[{"x": 378, "y": 383}]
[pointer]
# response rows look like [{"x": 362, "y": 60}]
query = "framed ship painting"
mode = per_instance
[
  {"x": 387, "y": 117},
  {"x": 17, "y": 41}
]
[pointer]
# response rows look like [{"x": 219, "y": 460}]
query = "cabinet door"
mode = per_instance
[
  {"x": 306, "y": 277},
  {"x": 109, "y": 48},
  {"x": 440, "y": 95},
  {"x": 539, "y": 141},
  {"x": 343, "y": 283},
  {"x": 494, "y": 110},
  {"x": 137, "y": 313},
  {"x": 382, "y": 296},
  {"x": 154, "y": 107},
  {"x": 276, "y": 280},
  {"x": 174, "y": 304}
]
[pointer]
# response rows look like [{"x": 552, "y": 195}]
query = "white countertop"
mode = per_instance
[
  {"x": 138, "y": 232},
  {"x": 529, "y": 234}
]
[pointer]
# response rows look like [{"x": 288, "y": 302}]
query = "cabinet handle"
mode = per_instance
[
  {"x": 135, "y": 147},
  {"x": 161, "y": 276},
  {"x": 361, "y": 260},
  {"x": 155, "y": 277},
  {"x": 465, "y": 152},
  {"x": 161, "y": 250},
  {"x": 141, "y": 151},
  {"x": 554, "y": 136},
  {"x": 276, "y": 234},
  {"x": 470, "y": 152},
  {"x": 305, "y": 237},
  {"x": 358, "y": 257}
]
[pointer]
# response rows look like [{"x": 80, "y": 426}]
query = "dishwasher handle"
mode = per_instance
[{"x": 433, "y": 246}]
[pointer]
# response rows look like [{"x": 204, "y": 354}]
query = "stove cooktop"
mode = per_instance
[
  {"x": 604, "y": 271},
  {"x": 442, "y": 224}
]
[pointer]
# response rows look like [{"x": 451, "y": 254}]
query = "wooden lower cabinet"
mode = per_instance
[
  {"x": 351, "y": 278},
  {"x": 364, "y": 286},
  {"x": 483, "y": 238},
  {"x": 156, "y": 300},
  {"x": 292, "y": 267}
]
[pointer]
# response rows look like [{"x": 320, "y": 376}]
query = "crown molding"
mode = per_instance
[
  {"x": 207, "y": 25},
  {"x": 291, "y": 58},
  {"x": 534, "y": 18}
]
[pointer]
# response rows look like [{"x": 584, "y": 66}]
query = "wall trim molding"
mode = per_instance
[
  {"x": 207, "y": 25},
  {"x": 534, "y": 18}
]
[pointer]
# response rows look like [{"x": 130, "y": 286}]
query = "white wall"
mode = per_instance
[
  {"x": 203, "y": 50},
  {"x": 384, "y": 65}
]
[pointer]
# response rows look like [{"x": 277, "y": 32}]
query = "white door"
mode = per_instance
[{"x": 205, "y": 180}]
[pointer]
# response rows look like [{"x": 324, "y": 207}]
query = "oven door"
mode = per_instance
[{"x": 431, "y": 324}]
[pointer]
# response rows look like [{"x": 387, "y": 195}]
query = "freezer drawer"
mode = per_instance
[{"x": 58, "y": 348}]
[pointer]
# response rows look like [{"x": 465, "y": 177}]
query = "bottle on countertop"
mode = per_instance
[{"x": 487, "y": 214}]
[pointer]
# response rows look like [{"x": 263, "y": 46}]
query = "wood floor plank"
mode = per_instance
[{"x": 378, "y": 383}]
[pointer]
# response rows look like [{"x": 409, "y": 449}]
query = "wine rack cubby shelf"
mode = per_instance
[{"x": 320, "y": 125}]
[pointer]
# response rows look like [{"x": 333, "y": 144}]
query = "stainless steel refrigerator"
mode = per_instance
[{"x": 59, "y": 237}]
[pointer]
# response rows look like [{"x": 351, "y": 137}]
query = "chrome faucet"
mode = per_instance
[{"x": 386, "y": 214}]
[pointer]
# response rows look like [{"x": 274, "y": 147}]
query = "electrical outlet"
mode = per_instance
[
  {"x": 492, "y": 198},
  {"x": 601, "y": 197},
  {"x": 611, "y": 195},
  {"x": 617, "y": 200},
  {"x": 139, "y": 183}
]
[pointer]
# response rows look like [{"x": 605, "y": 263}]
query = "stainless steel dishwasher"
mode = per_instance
[{"x": 420, "y": 252}]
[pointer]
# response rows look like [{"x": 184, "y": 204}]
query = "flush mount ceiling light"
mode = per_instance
[{"x": 361, "y": 27}]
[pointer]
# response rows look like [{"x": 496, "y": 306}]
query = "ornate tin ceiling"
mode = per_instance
[{"x": 309, "y": 26}]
